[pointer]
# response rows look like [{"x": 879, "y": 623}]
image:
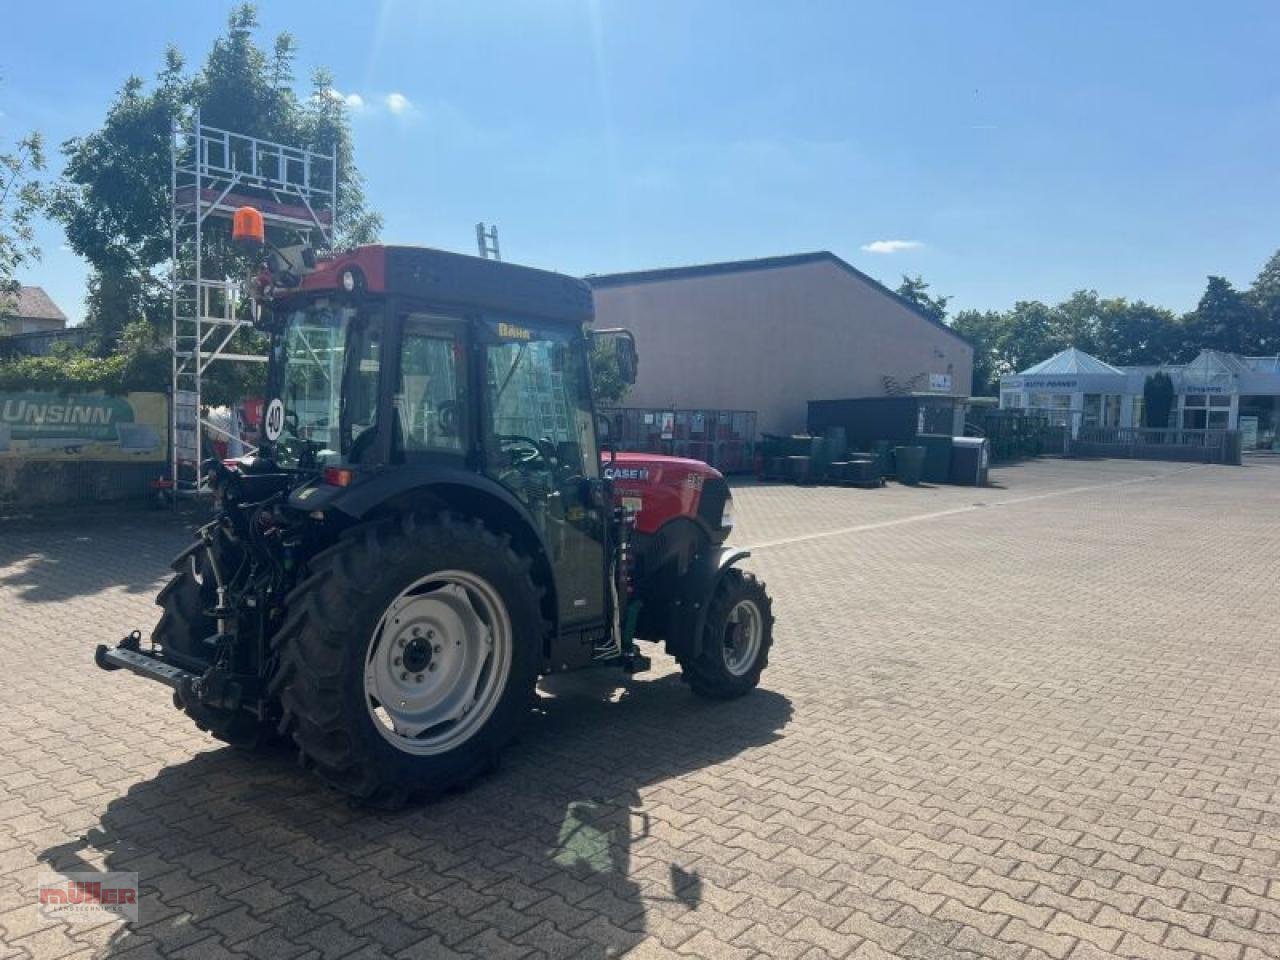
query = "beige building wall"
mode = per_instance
[{"x": 772, "y": 339}]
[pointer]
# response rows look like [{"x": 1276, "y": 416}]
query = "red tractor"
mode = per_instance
[{"x": 431, "y": 524}]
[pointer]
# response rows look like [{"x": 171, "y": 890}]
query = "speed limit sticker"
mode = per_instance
[{"x": 273, "y": 420}]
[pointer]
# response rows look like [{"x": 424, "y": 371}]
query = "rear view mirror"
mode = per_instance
[{"x": 624, "y": 351}]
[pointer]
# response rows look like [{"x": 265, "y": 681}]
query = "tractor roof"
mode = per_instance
[{"x": 456, "y": 281}]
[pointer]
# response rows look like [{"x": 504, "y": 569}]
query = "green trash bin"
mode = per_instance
[
  {"x": 937, "y": 457},
  {"x": 884, "y": 453},
  {"x": 908, "y": 463}
]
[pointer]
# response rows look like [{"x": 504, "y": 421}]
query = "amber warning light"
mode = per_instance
[{"x": 247, "y": 228}]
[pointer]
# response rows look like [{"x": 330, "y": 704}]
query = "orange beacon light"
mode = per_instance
[{"x": 247, "y": 228}]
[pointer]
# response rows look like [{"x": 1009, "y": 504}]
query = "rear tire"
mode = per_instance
[
  {"x": 182, "y": 633},
  {"x": 735, "y": 641},
  {"x": 387, "y": 734}
]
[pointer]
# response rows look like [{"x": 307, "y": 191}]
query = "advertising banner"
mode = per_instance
[{"x": 91, "y": 426}]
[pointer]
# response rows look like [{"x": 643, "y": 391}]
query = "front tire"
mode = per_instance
[
  {"x": 735, "y": 641},
  {"x": 408, "y": 657}
]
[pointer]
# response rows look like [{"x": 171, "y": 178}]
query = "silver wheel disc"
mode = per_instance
[
  {"x": 438, "y": 662},
  {"x": 743, "y": 633}
]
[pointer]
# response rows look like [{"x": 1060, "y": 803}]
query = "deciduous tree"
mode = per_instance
[
  {"x": 916, "y": 291},
  {"x": 113, "y": 199},
  {"x": 22, "y": 197}
]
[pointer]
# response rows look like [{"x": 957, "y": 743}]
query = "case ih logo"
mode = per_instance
[
  {"x": 81, "y": 897},
  {"x": 627, "y": 473}
]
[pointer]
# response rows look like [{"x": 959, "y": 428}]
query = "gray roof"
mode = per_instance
[
  {"x": 32, "y": 303},
  {"x": 602, "y": 280},
  {"x": 1217, "y": 361},
  {"x": 1071, "y": 361}
]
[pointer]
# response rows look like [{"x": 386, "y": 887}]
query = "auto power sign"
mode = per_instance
[{"x": 50, "y": 426}]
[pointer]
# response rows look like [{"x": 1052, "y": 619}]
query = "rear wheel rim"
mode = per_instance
[
  {"x": 438, "y": 662},
  {"x": 743, "y": 632}
]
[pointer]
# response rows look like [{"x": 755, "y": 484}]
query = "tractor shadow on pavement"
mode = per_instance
[{"x": 564, "y": 851}]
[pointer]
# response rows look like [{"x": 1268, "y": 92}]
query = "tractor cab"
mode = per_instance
[{"x": 393, "y": 367}]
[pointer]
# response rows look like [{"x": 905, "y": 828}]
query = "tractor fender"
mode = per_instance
[
  {"x": 700, "y": 585},
  {"x": 361, "y": 499},
  {"x": 458, "y": 489},
  {"x": 189, "y": 550}
]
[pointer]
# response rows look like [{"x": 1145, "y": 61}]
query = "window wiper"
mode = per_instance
[{"x": 524, "y": 348}]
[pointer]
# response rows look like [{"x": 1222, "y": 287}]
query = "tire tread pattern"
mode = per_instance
[
  {"x": 706, "y": 673},
  {"x": 315, "y": 663}
]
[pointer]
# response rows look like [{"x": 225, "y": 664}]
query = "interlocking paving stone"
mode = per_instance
[{"x": 1034, "y": 720}]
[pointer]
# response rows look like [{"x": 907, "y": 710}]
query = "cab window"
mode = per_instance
[{"x": 429, "y": 399}]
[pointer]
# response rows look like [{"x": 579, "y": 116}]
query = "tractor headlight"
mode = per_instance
[{"x": 726, "y": 515}]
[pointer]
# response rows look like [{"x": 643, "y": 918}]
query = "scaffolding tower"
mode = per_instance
[{"x": 214, "y": 172}]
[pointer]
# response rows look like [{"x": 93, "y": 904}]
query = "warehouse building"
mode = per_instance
[
  {"x": 764, "y": 337},
  {"x": 1215, "y": 391}
]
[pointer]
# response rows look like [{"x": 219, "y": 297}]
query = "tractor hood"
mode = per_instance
[{"x": 661, "y": 489}]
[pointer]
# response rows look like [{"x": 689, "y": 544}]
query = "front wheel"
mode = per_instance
[
  {"x": 736, "y": 640},
  {"x": 408, "y": 657}
]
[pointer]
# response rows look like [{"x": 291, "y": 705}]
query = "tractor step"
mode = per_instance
[{"x": 143, "y": 664}]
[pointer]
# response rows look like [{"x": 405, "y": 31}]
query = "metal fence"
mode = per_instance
[
  {"x": 1145, "y": 443},
  {"x": 1016, "y": 433},
  {"x": 723, "y": 438}
]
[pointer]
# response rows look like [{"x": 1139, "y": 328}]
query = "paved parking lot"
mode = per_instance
[{"x": 1039, "y": 719}]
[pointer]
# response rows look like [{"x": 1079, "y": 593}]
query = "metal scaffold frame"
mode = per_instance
[{"x": 213, "y": 173}]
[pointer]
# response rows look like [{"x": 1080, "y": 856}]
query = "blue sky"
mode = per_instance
[{"x": 1013, "y": 150}]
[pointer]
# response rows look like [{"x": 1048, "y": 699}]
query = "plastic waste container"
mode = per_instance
[
  {"x": 908, "y": 464},
  {"x": 937, "y": 457},
  {"x": 970, "y": 460}
]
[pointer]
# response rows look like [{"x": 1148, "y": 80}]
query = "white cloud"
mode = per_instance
[
  {"x": 353, "y": 100},
  {"x": 891, "y": 246},
  {"x": 398, "y": 103}
]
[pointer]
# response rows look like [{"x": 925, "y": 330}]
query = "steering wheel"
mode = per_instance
[{"x": 538, "y": 450}]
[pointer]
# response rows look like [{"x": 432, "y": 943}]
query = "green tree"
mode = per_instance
[
  {"x": 1136, "y": 333},
  {"x": 1223, "y": 320},
  {"x": 113, "y": 199},
  {"x": 1264, "y": 297},
  {"x": 984, "y": 331},
  {"x": 22, "y": 198},
  {"x": 1077, "y": 322},
  {"x": 916, "y": 291},
  {"x": 1028, "y": 335},
  {"x": 1157, "y": 400}
]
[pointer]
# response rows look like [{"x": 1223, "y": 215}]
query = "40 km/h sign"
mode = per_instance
[{"x": 273, "y": 420}]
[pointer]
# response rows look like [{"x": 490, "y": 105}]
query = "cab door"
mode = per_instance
[{"x": 540, "y": 443}]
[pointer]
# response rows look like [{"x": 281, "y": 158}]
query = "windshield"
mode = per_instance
[
  {"x": 323, "y": 348},
  {"x": 539, "y": 402}
]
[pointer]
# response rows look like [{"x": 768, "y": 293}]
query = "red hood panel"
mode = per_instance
[{"x": 660, "y": 488}]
